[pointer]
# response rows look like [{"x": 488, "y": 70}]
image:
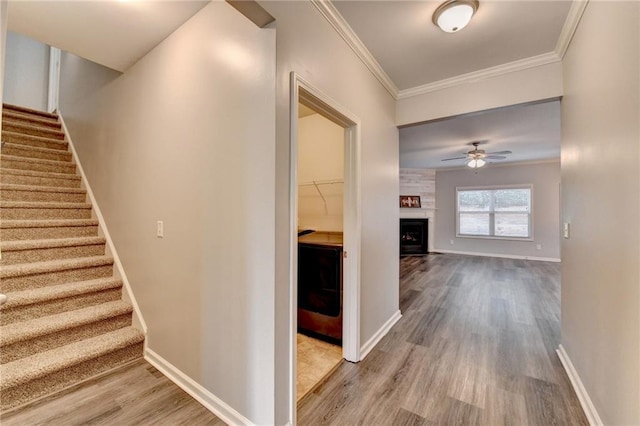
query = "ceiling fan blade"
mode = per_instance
[
  {"x": 495, "y": 157},
  {"x": 454, "y": 158},
  {"x": 499, "y": 153}
]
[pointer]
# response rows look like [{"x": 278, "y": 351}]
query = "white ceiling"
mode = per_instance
[
  {"x": 531, "y": 132},
  {"x": 414, "y": 52},
  {"x": 112, "y": 33}
]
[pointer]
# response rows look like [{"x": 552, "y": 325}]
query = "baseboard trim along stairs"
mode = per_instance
[{"x": 69, "y": 314}]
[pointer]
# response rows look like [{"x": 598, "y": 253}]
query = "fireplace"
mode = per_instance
[{"x": 414, "y": 236}]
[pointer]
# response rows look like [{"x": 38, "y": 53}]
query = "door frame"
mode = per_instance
[{"x": 303, "y": 91}]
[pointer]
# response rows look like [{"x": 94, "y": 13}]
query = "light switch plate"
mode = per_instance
[
  {"x": 160, "y": 229},
  {"x": 566, "y": 230}
]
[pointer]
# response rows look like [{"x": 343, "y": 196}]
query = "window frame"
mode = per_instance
[{"x": 492, "y": 212}]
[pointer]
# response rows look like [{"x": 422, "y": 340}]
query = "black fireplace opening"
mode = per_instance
[{"x": 414, "y": 236}]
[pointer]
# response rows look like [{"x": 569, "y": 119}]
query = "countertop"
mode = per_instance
[{"x": 322, "y": 238}]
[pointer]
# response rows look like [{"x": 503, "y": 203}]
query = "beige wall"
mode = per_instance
[
  {"x": 601, "y": 198},
  {"x": 320, "y": 159},
  {"x": 187, "y": 136},
  {"x": 307, "y": 44},
  {"x": 545, "y": 178},
  {"x": 532, "y": 84},
  {"x": 26, "y": 73}
]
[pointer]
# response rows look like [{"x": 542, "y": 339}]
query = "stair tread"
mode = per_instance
[
  {"x": 26, "y": 330},
  {"x": 16, "y": 245},
  {"x": 36, "y": 148},
  {"x": 60, "y": 291},
  {"x": 43, "y": 205},
  {"x": 37, "y": 160},
  {"x": 22, "y": 269},
  {"x": 46, "y": 223},
  {"x": 30, "y": 126},
  {"x": 25, "y": 116},
  {"x": 63, "y": 144},
  {"x": 37, "y": 188},
  {"x": 12, "y": 107},
  {"x": 41, "y": 364},
  {"x": 33, "y": 173}
]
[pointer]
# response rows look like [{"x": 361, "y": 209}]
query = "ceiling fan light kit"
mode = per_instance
[
  {"x": 477, "y": 158},
  {"x": 453, "y": 15},
  {"x": 476, "y": 163}
]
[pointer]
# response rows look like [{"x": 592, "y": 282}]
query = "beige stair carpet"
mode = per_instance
[{"x": 65, "y": 319}]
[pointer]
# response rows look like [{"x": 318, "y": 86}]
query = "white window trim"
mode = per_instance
[{"x": 492, "y": 237}]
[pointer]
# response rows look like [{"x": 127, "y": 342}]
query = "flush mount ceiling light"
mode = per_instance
[{"x": 453, "y": 15}]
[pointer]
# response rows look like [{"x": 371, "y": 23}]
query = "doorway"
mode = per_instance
[{"x": 331, "y": 211}]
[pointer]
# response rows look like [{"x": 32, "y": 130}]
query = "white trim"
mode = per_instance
[
  {"x": 585, "y": 401},
  {"x": 519, "y": 65},
  {"x": 138, "y": 320},
  {"x": 54, "y": 79},
  {"x": 570, "y": 26},
  {"x": 197, "y": 391},
  {"x": 503, "y": 256},
  {"x": 375, "y": 339},
  {"x": 337, "y": 21}
]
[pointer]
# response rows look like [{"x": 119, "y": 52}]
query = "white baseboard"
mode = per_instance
[
  {"x": 504, "y": 256},
  {"x": 138, "y": 320},
  {"x": 199, "y": 393},
  {"x": 578, "y": 387},
  {"x": 373, "y": 341}
]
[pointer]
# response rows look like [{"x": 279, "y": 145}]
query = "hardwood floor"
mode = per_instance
[
  {"x": 137, "y": 394},
  {"x": 476, "y": 345}
]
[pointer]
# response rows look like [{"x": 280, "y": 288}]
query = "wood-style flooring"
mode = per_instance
[
  {"x": 475, "y": 346},
  {"x": 137, "y": 394}
]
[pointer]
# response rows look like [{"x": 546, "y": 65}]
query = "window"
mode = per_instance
[{"x": 503, "y": 212}]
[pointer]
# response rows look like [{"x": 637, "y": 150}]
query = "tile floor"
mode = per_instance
[{"x": 316, "y": 359}]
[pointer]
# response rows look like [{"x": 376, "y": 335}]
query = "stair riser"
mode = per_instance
[
  {"x": 43, "y": 132},
  {"x": 63, "y": 197},
  {"x": 56, "y": 306},
  {"x": 11, "y": 257},
  {"x": 44, "y": 213},
  {"x": 32, "y": 141},
  {"x": 52, "y": 278},
  {"x": 44, "y": 233},
  {"x": 20, "y": 394},
  {"x": 31, "y": 120},
  {"x": 39, "y": 181},
  {"x": 64, "y": 337},
  {"x": 7, "y": 163},
  {"x": 27, "y": 152}
]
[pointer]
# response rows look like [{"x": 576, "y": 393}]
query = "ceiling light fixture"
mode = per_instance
[
  {"x": 453, "y": 15},
  {"x": 476, "y": 163}
]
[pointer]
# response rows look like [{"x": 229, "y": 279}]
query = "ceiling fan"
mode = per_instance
[{"x": 477, "y": 157}]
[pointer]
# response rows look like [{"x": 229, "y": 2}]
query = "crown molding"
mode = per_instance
[
  {"x": 570, "y": 26},
  {"x": 337, "y": 21},
  {"x": 519, "y": 65}
]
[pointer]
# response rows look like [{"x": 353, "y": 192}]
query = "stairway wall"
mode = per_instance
[
  {"x": 26, "y": 74},
  {"x": 187, "y": 136}
]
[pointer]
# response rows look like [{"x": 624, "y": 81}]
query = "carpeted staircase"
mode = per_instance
[{"x": 64, "y": 320}]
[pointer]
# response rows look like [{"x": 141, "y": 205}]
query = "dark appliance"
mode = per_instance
[
  {"x": 320, "y": 290},
  {"x": 414, "y": 237}
]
